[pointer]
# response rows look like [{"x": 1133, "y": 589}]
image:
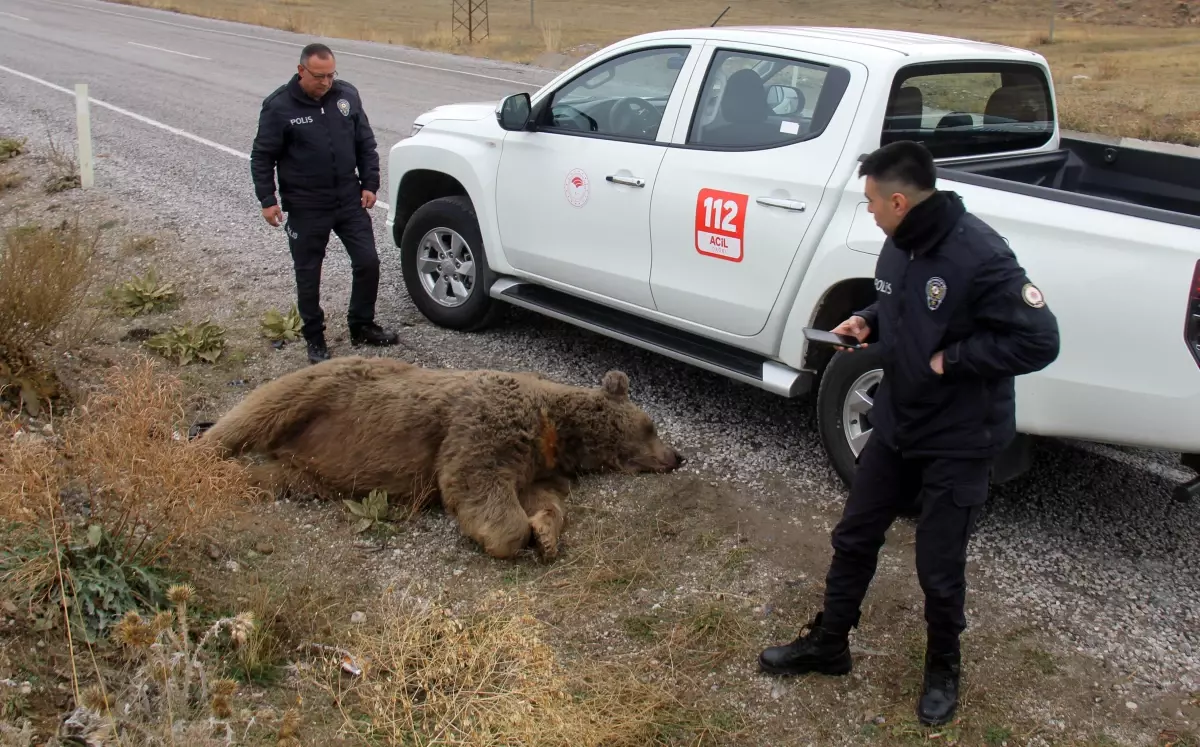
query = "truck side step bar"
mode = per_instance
[{"x": 721, "y": 359}]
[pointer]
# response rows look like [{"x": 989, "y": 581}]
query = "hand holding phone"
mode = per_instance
[
  {"x": 831, "y": 338},
  {"x": 849, "y": 335}
]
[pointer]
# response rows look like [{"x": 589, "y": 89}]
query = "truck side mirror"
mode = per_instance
[
  {"x": 785, "y": 100},
  {"x": 513, "y": 112}
]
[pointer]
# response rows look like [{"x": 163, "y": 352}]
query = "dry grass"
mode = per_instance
[
  {"x": 64, "y": 167},
  {"x": 90, "y": 513},
  {"x": 169, "y": 691},
  {"x": 30, "y": 469},
  {"x": 90, "y": 508},
  {"x": 11, "y": 147},
  {"x": 484, "y": 678},
  {"x": 94, "y": 509},
  {"x": 602, "y": 564},
  {"x": 10, "y": 181},
  {"x": 44, "y": 275},
  {"x": 145, "y": 483},
  {"x": 1144, "y": 81}
]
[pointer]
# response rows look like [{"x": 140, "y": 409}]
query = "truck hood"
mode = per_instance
[{"x": 466, "y": 112}]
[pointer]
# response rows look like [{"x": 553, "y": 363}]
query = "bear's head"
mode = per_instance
[{"x": 608, "y": 431}]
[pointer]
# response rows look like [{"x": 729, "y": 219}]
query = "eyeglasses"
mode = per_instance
[{"x": 321, "y": 76}]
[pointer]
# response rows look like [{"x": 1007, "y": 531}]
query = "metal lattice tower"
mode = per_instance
[{"x": 469, "y": 17}]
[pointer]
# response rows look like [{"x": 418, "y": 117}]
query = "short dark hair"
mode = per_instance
[
  {"x": 902, "y": 162},
  {"x": 316, "y": 49}
]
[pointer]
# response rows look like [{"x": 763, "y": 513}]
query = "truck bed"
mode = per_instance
[{"x": 1148, "y": 184}]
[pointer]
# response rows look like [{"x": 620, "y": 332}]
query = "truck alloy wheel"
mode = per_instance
[{"x": 444, "y": 265}]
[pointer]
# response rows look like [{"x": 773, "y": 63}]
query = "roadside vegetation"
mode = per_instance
[
  {"x": 1121, "y": 68},
  {"x": 120, "y": 626},
  {"x": 153, "y": 594}
]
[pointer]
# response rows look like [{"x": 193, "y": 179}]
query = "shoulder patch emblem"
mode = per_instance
[
  {"x": 1032, "y": 296},
  {"x": 935, "y": 292},
  {"x": 344, "y": 107}
]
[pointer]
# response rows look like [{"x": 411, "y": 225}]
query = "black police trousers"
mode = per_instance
[
  {"x": 952, "y": 493},
  {"x": 308, "y": 235}
]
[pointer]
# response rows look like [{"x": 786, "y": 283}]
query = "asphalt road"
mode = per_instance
[
  {"x": 1088, "y": 544},
  {"x": 209, "y": 77}
]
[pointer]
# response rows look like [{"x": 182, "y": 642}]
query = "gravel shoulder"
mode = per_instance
[{"x": 1085, "y": 602}]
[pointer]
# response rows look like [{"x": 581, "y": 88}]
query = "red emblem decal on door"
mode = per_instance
[{"x": 721, "y": 224}]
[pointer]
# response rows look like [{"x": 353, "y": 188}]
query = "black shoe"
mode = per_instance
[
  {"x": 816, "y": 650},
  {"x": 372, "y": 334},
  {"x": 317, "y": 351},
  {"x": 939, "y": 693}
]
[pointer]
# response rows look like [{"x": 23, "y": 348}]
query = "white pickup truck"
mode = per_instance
[{"x": 694, "y": 193}]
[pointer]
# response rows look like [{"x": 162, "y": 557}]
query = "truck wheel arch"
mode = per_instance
[
  {"x": 841, "y": 300},
  {"x": 418, "y": 187}
]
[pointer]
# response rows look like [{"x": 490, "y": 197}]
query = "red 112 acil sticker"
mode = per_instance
[{"x": 721, "y": 224}]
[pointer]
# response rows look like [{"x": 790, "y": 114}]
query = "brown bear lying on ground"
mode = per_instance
[{"x": 496, "y": 448}]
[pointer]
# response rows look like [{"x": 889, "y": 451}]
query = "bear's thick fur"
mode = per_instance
[{"x": 496, "y": 448}]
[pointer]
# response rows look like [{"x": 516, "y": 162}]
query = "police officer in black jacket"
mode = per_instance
[
  {"x": 314, "y": 130},
  {"x": 957, "y": 319}
]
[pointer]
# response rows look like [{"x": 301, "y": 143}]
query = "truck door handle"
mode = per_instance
[
  {"x": 632, "y": 181},
  {"x": 796, "y": 205}
]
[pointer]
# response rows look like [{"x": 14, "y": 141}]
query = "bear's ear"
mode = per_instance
[{"x": 616, "y": 384}]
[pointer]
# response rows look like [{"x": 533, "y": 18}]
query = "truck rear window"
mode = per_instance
[{"x": 962, "y": 109}]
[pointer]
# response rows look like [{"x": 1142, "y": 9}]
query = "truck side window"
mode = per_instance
[
  {"x": 962, "y": 109},
  {"x": 752, "y": 100},
  {"x": 621, "y": 97}
]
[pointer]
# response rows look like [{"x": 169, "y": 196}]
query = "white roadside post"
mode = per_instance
[{"x": 83, "y": 122}]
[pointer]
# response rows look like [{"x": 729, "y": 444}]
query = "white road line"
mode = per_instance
[
  {"x": 13, "y": 15},
  {"x": 289, "y": 44},
  {"x": 172, "y": 51},
  {"x": 147, "y": 120}
]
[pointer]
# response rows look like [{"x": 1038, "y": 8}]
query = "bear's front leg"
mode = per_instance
[
  {"x": 487, "y": 510},
  {"x": 542, "y": 502}
]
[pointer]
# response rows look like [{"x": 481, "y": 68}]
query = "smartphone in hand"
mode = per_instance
[{"x": 829, "y": 338}]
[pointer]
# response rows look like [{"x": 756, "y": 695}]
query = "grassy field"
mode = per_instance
[{"x": 1141, "y": 80}]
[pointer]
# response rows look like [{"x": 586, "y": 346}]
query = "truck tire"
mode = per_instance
[
  {"x": 444, "y": 265},
  {"x": 843, "y": 406}
]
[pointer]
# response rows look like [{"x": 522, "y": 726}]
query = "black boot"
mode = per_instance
[
  {"x": 814, "y": 650},
  {"x": 939, "y": 693},
  {"x": 317, "y": 350},
  {"x": 372, "y": 334}
]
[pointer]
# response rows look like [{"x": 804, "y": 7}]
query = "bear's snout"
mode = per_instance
[
  {"x": 677, "y": 459},
  {"x": 670, "y": 460}
]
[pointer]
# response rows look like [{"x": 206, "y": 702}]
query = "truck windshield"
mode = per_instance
[{"x": 962, "y": 109}]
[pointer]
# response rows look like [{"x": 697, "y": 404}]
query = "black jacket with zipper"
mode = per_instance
[
  {"x": 946, "y": 281},
  {"x": 324, "y": 150}
]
